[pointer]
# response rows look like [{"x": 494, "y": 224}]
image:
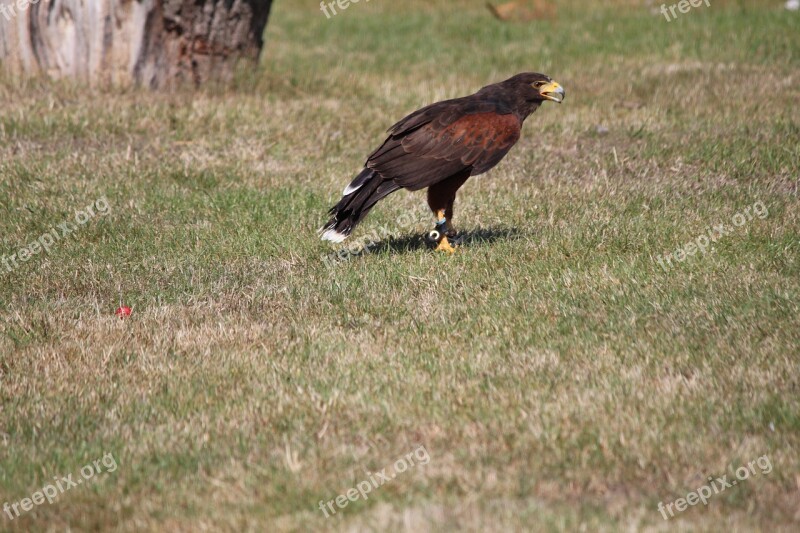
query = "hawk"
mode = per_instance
[{"x": 439, "y": 147}]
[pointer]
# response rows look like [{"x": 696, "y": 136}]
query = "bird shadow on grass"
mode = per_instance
[{"x": 413, "y": 243}]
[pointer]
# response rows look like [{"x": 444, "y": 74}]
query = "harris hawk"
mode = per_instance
[{"x": 439, "y": 147}]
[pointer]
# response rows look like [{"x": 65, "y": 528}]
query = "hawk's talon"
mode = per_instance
[
  {"x": 439, "y": 241},
  {"x": 454, "y": 238},
  {"x": 437, "y": 238},
  {"x": 445, "y": 246}
]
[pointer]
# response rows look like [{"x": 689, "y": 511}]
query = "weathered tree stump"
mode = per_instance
[{"x": 154, "y": 43}]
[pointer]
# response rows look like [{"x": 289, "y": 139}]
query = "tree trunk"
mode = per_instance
[{"x": 154, "y": 43}]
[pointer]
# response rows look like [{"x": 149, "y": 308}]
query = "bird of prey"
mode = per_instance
[{"x": 439, "y": 147}]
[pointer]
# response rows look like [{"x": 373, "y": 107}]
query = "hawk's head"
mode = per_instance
[{"x": 536, "y": 87}]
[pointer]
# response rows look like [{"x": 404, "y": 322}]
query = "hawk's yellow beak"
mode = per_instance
[{"x": 552, "y": 91}]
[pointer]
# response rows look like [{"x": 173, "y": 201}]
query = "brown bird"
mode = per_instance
[{"x": 439, "y": 147}]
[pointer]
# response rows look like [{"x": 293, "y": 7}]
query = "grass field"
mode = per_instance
[{"x": 558, "y": 377}]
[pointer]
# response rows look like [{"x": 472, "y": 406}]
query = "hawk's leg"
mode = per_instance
[
  {"x": 448, "y": 214},
  {"x": 441, "y": 197},
  {"x": 438, "y": 235}
]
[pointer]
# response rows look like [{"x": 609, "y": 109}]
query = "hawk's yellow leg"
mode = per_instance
[{"x": 444, "y": 245}]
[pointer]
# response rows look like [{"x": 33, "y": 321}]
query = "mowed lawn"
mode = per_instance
[{"x": 558, "y": 377}]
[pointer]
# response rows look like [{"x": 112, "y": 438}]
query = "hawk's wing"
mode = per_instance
[{"x": 444, "y": 139}]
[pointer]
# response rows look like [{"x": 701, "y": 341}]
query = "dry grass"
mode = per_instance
[{"x": 558, "y": 377}]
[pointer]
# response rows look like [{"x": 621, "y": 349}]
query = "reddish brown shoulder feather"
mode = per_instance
[{"x": 457, "y": 139}]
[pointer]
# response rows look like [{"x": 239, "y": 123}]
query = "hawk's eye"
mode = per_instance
[{"x": 538, "y": 84}]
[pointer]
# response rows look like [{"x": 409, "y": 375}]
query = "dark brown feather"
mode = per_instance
[{"x": 446, "y": 139}]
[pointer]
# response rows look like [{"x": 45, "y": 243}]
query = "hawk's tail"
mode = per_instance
[{"x": 359, "y": 197}]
